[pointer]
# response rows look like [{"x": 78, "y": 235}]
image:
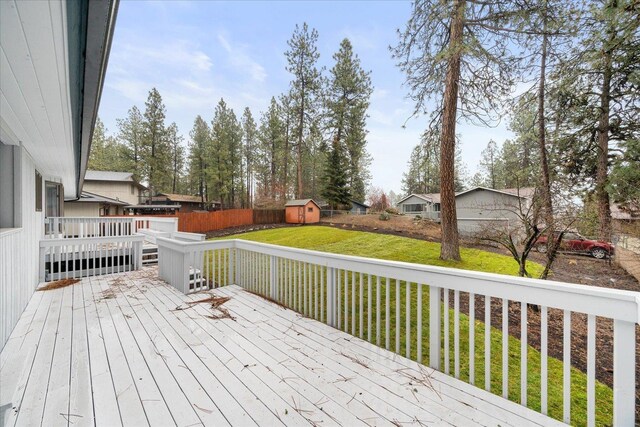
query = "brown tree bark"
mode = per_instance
[
  {"x": 545, "y": 184},
  {"x": 602, "y": 196},
  {"x": 450, "y": 247}
]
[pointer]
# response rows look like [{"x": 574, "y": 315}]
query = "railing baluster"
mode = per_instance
[
  {"x": 487, "y": 343},
  {"x": 408, "y": 320},
  {"x": 378, "y": 326},
  {"x": 322, "y": 284},
  {"x": 505, "y": 348},
  {"x": 566, "y": 368},
  {"x": 353, "y": 303},
  {"x": 472, "y": 338},
  {"x": 624, "y": 366},
  {"x": 398, "y": 321},
  {"x": 369, "y": 307},
  {"x": 435, "y": 316},
  {"x": 544, "y": 373},
  {"x": 338, "y": 295},
  {"x": 419, "y": 322},
  {"x": 591, "y": 370},
  {"x": 387, "y": 337},
  {"x": 523, "y": 353},
  {"x": 346, "y": 301},
  {"x": 456, "y": 333},
  {"x": 361, "y": 312},
  {"x": 447, "y": 365}
]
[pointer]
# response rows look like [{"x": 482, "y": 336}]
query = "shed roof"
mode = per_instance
[
  {"x": 360, "y": 203},
  {"x": 300, "y": 202}
]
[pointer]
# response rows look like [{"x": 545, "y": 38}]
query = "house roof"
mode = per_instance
[
  {"x": 360, "y": 203},
  {"x": 300, "y": 202},
  {"x": 87, "y": 197},
  {"x": 112, "y": 176},
  {"x": 621, "y": 212},
  {"x": 524, "y": 193},
  {"x": 181, "y": 198},
  {"x": 429, "y": 197}
]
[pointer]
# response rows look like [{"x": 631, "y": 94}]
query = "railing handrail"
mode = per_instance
[
  {"x": 612, "y": 303},
  {"x": 45, "y": 243}
]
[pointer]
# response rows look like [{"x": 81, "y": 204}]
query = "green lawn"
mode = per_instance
[{"x": 410, "y": 250}]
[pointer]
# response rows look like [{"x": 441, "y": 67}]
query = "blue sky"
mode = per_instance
[{"x": 196, "y": 52}]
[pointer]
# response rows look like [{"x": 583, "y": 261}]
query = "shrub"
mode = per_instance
[
  {"x": 392, "y": 211},
  {"x": 384, "y": 216}
]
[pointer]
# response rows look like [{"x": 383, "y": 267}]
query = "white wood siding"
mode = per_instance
[
  {"x": 114, "y": 190},
  {"x": 77, "y": 209},
  {"x": 19, "y": 251}
]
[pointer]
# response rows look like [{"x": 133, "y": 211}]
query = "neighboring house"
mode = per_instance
[
  {"x": 92, "y": 205},
  {"x": 120, "y": 186},
  {"x": 358, "y": 208},
  {"x": 186, "y": 203},
  {"x": 482, "y": 207},
  {"x": 303, "y": 211},
  {"x": 54, "y": 57},
  {"x": 427, "y": 205},
  {"x": 476, "y": 208}
]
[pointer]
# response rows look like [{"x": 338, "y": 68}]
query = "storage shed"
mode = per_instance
[{"x": 302, "y": 211}]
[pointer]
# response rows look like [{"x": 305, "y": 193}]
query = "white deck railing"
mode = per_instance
[
  {"x": 67, "y": 258},
  {"x": 354, "y": 294},
  {"x": 80, "y": 227}
]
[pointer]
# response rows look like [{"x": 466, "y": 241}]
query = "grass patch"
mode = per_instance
[{"x": 302, "y": 294}]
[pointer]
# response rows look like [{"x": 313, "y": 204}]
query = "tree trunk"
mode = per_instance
[
  {"x": 602, "y": 196},
  {"x": 450, "y": 248},
  {"x": 545, "y": 185},
  {"x": 299, "y": 148}
]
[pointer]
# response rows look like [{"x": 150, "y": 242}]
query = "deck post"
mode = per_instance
[
  {"x": 434, "y": 327},
  {"x": 273, "y": 270},
  {"x": 185, "y": 272},
  {"x": 624, "y": 368},
  {"x": 41, "y": 263},
  {"x": 331, "y": 297}
]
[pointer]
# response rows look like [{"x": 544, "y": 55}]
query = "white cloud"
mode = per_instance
[{"x": 240, "y": 59}]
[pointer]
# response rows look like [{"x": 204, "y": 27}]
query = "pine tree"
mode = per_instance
[
  {"x": 270, "y": 163},
  {"x": 348, "y": 96},
  {"x": 130, "y": 134},
  {"x": 200, "y": 141},
  {"x": 492, "y": 166},
  {"x": 302, "y": 58},
  {"x": 335, "y": 190},
  {"x": 177, "y": 157},
  {"x": 155, "y": 151},
  {"x": 457, "y": 53},
  {"x": 250, "y": 142},
  {"x": 107, "y": 154}
]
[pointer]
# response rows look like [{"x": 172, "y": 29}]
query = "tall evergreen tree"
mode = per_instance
[
  {"x": 335, "y": 190},
  {"x": 302, "y": 58},
  {"x": 155, "y": 151},
  {"x": 177, "y": 157},
  {"x": 271, "y": 161},
  {"x": 457, "y": 53},
  {"x": 130, "y": 134},
  {"x": 200, "y": 141},
  {"x": 492, "y": 166},
  {"x": 348, "y": 96},
  {"x": 106, "y": 153},
  {"x": 250, "y": 141}
]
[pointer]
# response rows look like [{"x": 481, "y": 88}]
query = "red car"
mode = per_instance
[{"x": 574, "y": 242}]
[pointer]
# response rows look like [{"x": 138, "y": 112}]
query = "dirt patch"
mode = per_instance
[
  {"x": 58, "y": 284},
  {"x": 245, "y": 229},
  {"x": 397, "y": 225}
]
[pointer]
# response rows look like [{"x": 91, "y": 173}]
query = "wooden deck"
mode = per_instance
[{"x": 127, "y": 349}]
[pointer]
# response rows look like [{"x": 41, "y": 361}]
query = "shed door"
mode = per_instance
[{"x": 301, "y": 215}]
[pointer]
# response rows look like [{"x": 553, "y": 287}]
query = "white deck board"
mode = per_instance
[{"x": 114, "y": 350}]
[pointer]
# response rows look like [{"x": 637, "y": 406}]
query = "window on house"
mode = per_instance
[
  {"x": 53, "y": 199},
  {"x": 309, "y": 209},
  {"x": 436, "y": 207},
  {"x": 38, "y": 192},
  {"x": 9, "y": 187},
  {"x": 414, "y": 207}
]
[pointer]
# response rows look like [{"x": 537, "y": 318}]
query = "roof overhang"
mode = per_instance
[
  {"x": 52, "y": 67},
  {"x": 419, "y": 196}
]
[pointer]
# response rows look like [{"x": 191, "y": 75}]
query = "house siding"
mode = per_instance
[
  {"x": 413, "y": 200},
  {"x": 481, "y": 208},
  {"x": 114, "y": 190},
  {"x": 19, "y": 247}
]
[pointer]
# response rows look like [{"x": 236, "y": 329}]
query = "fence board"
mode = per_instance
[
  {"x": 268, "y": 216},
  {"x": 202, "y": 222}
]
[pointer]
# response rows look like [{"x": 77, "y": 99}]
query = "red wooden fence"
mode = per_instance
[{"x": 201, "y": 222}]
